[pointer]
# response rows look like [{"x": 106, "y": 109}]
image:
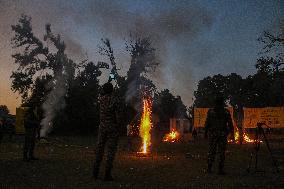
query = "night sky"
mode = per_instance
[{"x": 194, "y": 39}]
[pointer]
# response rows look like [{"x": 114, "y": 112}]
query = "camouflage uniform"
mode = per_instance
[
  {"x": 31, "y": 126},
  {"x": 108, "y": 133},
  {"x": 218, "y": 125}
]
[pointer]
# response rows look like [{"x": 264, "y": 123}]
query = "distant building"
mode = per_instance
[{"x": 180, "y": 125}]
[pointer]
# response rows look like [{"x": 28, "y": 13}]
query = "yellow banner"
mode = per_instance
[
  {"x": 20, "y": 116},
  {"x": 272, "y": 116},
  {"x": 200, "y": 115}
]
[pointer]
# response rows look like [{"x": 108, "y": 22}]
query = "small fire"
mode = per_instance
[
  {"x": 146, "y": 125},
  {"x": 246, "y": 138},
  {"x": 173, "y": 136}
]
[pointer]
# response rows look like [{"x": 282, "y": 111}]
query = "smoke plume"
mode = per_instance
[
  {"x": 54, "y": 102},
  {"x": 173, "y": 27},
  {"x": 167, "y": 29}
]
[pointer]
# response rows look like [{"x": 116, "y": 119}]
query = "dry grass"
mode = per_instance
[{"x": 67, "y": 163}]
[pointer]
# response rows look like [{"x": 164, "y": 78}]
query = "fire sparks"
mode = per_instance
[
  {"x": 173, "y": 136},
  {"x": 247, "y": 139},
  {"x": 146, "y": 125}
]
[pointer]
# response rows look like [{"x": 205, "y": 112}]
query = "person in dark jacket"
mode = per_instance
[
  {"x": 217, "y": 127},
  {"x": 108, "y": 131},
  {"x": 31, "y": 125}
]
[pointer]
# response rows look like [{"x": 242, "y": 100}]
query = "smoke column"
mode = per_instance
[
  {"x": 58, "y": 86},
  {"x": 55, "y": 102}
]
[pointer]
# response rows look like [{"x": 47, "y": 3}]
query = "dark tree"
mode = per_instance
[
  {"x": 82, "y": 107},
  {"x": 273, "y": 43},
  {"x": 107, "y": 50},
  {"x": 143, "y": 62},
  {"x": 167, "y": 106},
  {"x": 4, "y": 110},
  {"x": 270, "y": 68},
  {"x": 44, "y": 77},
  {"x": 31, "y": 59},
  {"x": 35, "y": 61},
  {"x": 208, "y": 88}
]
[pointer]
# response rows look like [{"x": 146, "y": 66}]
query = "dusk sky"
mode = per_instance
[{"x": 194, "y": 39}]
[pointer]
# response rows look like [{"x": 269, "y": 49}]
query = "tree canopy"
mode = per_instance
[
  {"x": 264, "y": 88},
  {"x": 67, "y": 91}
]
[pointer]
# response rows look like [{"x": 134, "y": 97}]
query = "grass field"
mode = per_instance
[{"x": 66, "y": 162}]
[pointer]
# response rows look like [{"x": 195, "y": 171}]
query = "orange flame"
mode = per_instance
[
  {"x": 173, "y": 136},
  {"x": 246, "y": 138},
  {"x": 146, "y": 125}
]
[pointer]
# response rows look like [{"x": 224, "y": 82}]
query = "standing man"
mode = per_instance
[
  {"x": 129, "y": 135},
  {"x": 217, "y": 127},
  {"x": 108, "y": 131},
  {"x": 31, "y": 125}
]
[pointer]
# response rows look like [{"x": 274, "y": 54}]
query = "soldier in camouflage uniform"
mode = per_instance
[
  {"x": 31, "y": 125},
  {"x": 108, "y": 131},
  {"x": 217, "y": 127}
]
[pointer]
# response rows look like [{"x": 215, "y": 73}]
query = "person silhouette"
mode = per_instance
[{"x": 217, "y": 127}]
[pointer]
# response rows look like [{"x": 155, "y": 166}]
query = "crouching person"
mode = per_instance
[
  {"x": 31, "y": 125},
  {"x": 108, "y": 131}
]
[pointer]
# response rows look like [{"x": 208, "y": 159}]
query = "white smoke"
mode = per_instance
[{"x": 55, "y": 102}]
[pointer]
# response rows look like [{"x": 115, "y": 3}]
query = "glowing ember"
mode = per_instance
[
  {"x": 247, "y": 139},
  {"x": 146, "y": 125},
  {"x": 173, "y": 136}
]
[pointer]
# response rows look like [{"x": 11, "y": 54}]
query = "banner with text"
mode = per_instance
[
  {"x": 200, "y": 115},
  {"x": 272, "y": 116}
]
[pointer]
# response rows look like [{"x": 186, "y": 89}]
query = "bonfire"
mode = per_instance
[
  {"x": 246, "y": 138},
  {"x": 173, "y": 136}
]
